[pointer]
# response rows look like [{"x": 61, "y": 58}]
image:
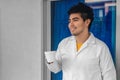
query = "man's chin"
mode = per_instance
[{"x": 74, "y": 34}]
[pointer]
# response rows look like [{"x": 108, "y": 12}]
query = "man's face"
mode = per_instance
[{"x": 77, "y": 25}]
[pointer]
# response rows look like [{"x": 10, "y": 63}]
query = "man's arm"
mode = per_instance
[
  {"x": 56, "y": 65},
  {"x": 106, "y": 64}
]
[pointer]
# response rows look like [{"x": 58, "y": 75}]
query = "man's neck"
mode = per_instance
[{"x": 82, "y": 37}]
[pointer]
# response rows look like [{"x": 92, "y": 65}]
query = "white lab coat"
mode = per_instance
[{"x": 92, "y": 62}]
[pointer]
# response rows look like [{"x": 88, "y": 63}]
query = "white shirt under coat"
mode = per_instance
[{"x": 92, "y": 62}]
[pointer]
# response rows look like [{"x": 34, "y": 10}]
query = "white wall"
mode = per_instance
[{"x": 20, "y": 39}]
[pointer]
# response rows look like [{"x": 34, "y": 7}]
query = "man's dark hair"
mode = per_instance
[{"x": 85, "y": 11}]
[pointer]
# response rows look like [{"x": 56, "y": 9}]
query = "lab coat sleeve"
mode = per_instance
[
  {"x": 56, "y": 66},
  {"x": 106, "y": 64}
]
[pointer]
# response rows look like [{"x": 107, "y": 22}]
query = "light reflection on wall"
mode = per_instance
[{"x": 89, "y": 1}]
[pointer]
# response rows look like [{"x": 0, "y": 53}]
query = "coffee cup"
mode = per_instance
[{"x": 50, "y": 56}]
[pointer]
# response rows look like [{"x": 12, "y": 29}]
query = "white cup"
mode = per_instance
[{"x": 50, "y": 56}]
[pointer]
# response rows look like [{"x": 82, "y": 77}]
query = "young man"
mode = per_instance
[{"x": 82, "y": 56}]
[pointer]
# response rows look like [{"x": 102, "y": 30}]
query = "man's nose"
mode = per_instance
[{"x": 71, "y": 23}]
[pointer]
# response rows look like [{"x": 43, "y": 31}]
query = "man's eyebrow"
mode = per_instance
[{"x": 74, "y": 18}]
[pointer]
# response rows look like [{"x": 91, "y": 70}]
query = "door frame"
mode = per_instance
[
  {"x": 118, "y": 39},
  {"x": 46, "y": 74}
]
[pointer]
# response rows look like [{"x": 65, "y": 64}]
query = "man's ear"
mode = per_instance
[{"x": 88, "y": 21}]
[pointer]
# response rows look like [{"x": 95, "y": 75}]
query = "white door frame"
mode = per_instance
[
  {"x": 46, "y": 74},
  {"x": 118, "y": 39},
  {"x": 46, "y": 37}
]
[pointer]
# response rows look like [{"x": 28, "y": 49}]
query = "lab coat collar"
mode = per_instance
[{"x": 90, "y": 40}]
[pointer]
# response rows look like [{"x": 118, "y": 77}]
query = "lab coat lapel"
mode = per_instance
[
  {"x": 75, "y": 48},
  {"x": 82, "y": 48},
  {"x": 90, "y": 40}
]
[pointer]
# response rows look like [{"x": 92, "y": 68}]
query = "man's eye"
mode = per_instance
[
  {"x": 69, "y": 21},
  {"x": 75, "y": 20}
]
